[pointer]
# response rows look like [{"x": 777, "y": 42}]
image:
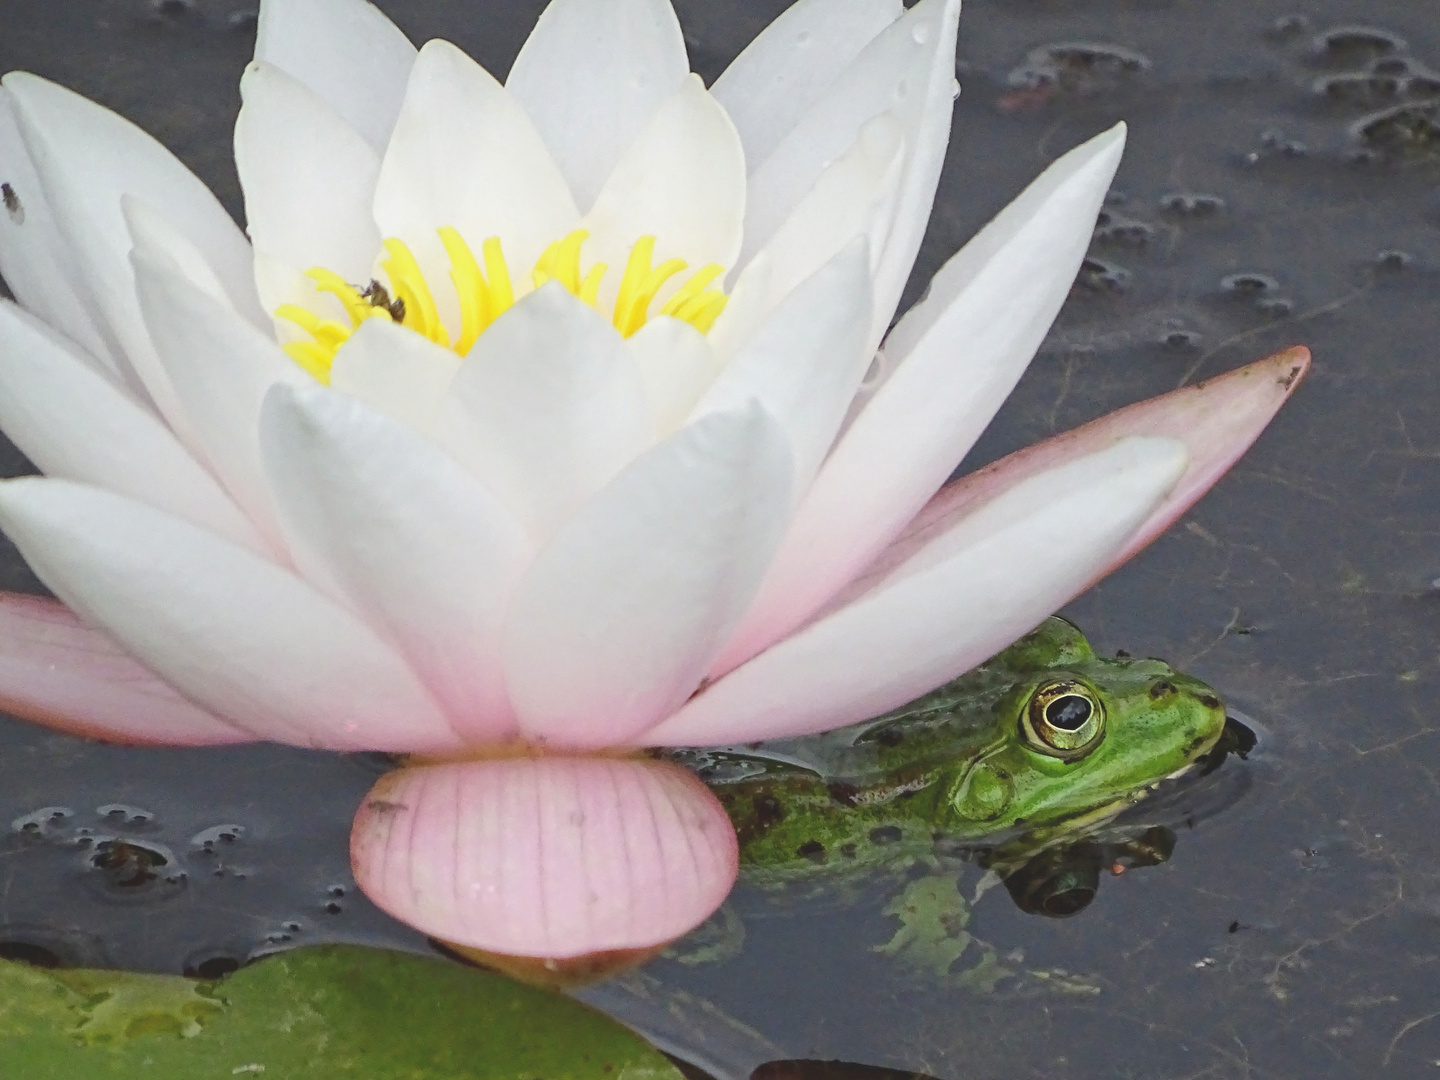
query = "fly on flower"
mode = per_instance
[{"x": 527, "y": 424}]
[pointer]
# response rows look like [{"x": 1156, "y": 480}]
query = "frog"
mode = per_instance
[{"x": 1012, "y": 764}]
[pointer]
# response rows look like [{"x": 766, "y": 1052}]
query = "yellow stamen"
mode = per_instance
[
  {"x": 502, "y": 294},
  {"x": 330, "y": 282},
  {"x": 313, "y": 357},
  {"x": 407, "y": 281},
  {"x": 640, "y": 284},
  {"x": 484, "y": 294},
  {"x": 590, "y": 287},
  {"x": 692, "y": 288},
  {"x": 470, "y": 287}
]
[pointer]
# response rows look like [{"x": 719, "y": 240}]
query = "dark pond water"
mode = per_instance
[{"x": 1282, "y": 185}]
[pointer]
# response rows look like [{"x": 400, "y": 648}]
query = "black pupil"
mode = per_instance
[{"x": 1068, "y": 713}]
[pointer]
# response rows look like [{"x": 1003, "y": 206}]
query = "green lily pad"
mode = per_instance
[{"x": 331, "y": 1012}]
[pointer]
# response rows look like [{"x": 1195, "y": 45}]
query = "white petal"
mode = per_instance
[
  {"x": 958, "y": 354},
  {"x": 682, "y": 181},
  {"x": 234, "y": 633},
  {"x": 74, "y": 424},
  {"x": 620, "y": 615},
  {"x": 805, "y": 362},
  {"x": 926, "y": 138},
  {"x": 591, "y": 74},
  {"x": 991, "y": 576},
  {"x": 34, "y": 261},
  {"x": 768, "y": 87},
  {"x": 395, "y": 371},
  {"x": 855, "y": 196},
  {"x": 150, "y": 231},
  {"x": 346, "y": 51},
  {"x": 676, "y": 365},
  {"x": 409, "y": 537},
  {"x": 464, "y": 154},
  {"x": 308, "y": 177},
  {"x": 547, "y": 407},
  {"x": 87, "y": 157},
  {"x": 892, "y": 74},
  {"x": 220, "y": 367}
]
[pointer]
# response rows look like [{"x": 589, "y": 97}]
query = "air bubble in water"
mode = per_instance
[
  {"x": 208, "y": 840},
  {"x": 125, "y": 869},
  {"x": 44, "y": 822},
  {"x": 128, "y": 816},
  {"x": 1277, "y": 307},
  {"x": 1191, "y": 204},
  {"x": 1180, "y": 339},
  {"x": 1353, "y": 44},
  {"x": 1099, "y": 276},
  {"x": 1248, "y": 284}
]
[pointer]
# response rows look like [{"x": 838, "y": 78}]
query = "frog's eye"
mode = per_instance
[{"x": 1064, "y": 719}]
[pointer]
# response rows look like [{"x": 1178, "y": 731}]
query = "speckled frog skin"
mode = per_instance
[{"x": 1040, "y": 740}]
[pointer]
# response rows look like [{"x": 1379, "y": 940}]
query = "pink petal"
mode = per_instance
[
  {"x": 56, "y": 671},
  {"x": 1216, "y": 420},
  {"x": 995, "y": 571},
  {"x": 553, "y": 857}
]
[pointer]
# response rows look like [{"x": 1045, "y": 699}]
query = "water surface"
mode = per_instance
[{"x": 1282, "y": 185}]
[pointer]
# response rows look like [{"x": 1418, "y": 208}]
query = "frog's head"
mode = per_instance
[{"x": 1077, "y": 732}]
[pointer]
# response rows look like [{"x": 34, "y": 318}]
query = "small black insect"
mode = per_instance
[
  {"x": 376, "y": 295},
  {"x": 13, "y": 204}
]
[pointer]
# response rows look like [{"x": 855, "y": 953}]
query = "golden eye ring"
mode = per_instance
[{"x": 1064, "y": 719}]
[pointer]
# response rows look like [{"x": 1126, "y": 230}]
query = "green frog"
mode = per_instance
[{"x": 1036, "y": 748}]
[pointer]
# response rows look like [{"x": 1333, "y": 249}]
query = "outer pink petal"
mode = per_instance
[
  {"x": 552, "y": 857},
  {"x": 1216, "y": 420},
  {"x": 56, "y": 671}
]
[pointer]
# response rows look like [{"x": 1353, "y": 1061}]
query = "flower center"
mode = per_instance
[{"x": 485, "y": 293}]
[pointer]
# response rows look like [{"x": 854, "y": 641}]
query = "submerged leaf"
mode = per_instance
[{"x": 330, "y": 1012}]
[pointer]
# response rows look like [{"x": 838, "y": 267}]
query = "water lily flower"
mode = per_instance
[{"x": 535, "y": 423}]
